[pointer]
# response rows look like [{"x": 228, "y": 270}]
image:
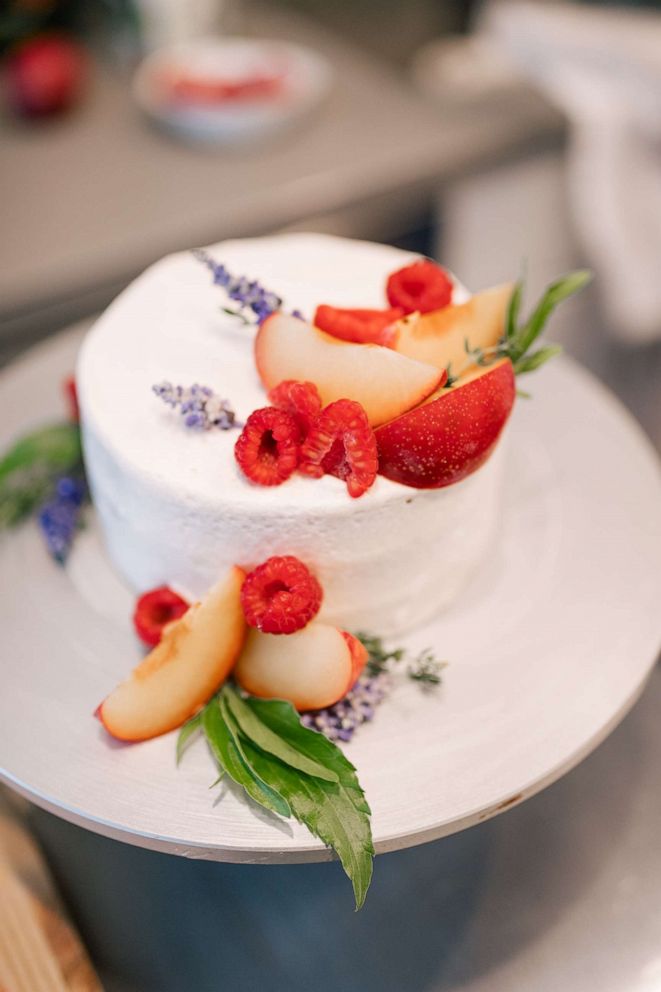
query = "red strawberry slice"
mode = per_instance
[{"x": 360, "y": 326}]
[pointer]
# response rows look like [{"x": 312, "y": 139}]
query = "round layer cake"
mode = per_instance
[{"x": 172, "y": 502}]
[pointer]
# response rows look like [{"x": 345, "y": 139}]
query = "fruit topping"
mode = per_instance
[
  {"x": 341, "y": 443},
  {"x": 71, "y": 398},
  {"x": 268, "y": 447},
  {"x": 311, "y": 669},
  {"x": 178, "y": 676},
  {"x": 280, "y": 596},
  {"x": 360, "y": 326},
  {"x": 383, "y": 382},
  {"x": 452, "y": 434},
  {"x": 154, "y": 610},
  {"x": 300, "y": 399},
  {"x": 421, "y": 286}
]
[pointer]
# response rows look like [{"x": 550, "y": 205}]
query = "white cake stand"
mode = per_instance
[{"x": 548, "y": 650}]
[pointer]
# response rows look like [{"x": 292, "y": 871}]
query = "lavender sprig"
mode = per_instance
[
  {"x": 199, "y": 406},
  {"x": 59, "y": 519},
  {"x": 340, "y": 721},
  {"x": 248, "y": 293}
]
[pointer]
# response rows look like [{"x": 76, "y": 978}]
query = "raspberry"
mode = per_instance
[
  {"x": 422, "y": 286},
  {"x": 301, "y": 399},
  {"x": 154, "y": 610},
  {"x": 361, "y": 326},
  {"x": 268, "y": 447},
  {"x": 71, "y": 398},
  {"x": 280, "y": 596},
  {"x": 342, "y": 443}
]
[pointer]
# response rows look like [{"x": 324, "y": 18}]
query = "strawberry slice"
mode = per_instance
[{"x": 360, "y": 326}]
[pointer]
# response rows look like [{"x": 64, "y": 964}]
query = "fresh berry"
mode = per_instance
[
  {"x": 154, "y": 610},
  {"x": 301, "y": 399},
  {"x": 268, "y": 448},
  {"x": 361, "y": 326},
  {"x": 45, "y": 75},
  {"x": 341, "y": 443},
  {"x": 280, "y": 596},
  {"x": 71, "y": 398},
  {"x": 421, "y": 286}
]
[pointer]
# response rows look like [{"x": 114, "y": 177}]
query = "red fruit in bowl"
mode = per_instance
[
  {"x": 422, "y": 286},
  {"x": 45, "y": 75},
  {"x": 452, "y": 434}
]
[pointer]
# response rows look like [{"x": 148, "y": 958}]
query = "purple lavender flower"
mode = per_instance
[
  {"x": 249, "y": 294},
  {"x": 59, "y": 518},
  {"x": 199, "y": 406},
  {"x": 340, "y": 721}
]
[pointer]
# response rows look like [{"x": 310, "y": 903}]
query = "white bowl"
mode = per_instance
[{"x": 306, "y": 78}]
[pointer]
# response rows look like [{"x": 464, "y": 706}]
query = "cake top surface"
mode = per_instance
[{"x": 169, "y": 325}]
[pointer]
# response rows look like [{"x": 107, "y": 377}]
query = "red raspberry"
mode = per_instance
[
  {"x": 280, "y": 596},
  {"x": 268, "y": 447},
  {"x": 422, "y": 286},
  {"x": 155, "y": 609},
  {"x": 342, "y": 443},
  {"x": 301, "y": 399},
  {"x": 71, "y": 397},
  {"x": 361, "y": 326}
]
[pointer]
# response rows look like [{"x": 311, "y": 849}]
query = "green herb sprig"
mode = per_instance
[
  {"x": 519, "y": 338},
  {"x": 30, "y": 468},
  {"x": 424, "y": 668},
  {"x": 262, "y": 746}
]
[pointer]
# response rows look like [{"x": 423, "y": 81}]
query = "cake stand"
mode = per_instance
[{"x": 547, "y": 650}]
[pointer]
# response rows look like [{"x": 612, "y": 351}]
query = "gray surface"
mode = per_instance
[
  {"x": 560, "y": 893},
  {"x": 111, "y": 194}
]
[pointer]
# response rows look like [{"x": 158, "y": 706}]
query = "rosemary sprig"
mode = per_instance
[{"x": 425, "y": 668}]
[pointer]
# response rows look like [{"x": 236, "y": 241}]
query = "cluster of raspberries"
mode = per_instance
[{"x": 295, "y": 433}]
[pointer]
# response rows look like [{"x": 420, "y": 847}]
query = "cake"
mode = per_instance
[{"x": 173, "y": 505}]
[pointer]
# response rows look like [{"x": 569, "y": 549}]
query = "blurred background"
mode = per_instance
[
  {"x": 496, "y": 136},
  {"x": 501, "y": 137}
]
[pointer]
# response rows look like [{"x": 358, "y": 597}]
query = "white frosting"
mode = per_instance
[{"x": 172, "y": 503}]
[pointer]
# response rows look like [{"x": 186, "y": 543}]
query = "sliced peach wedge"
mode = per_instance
[
  {"x": 451, "y": 434},
  {"x": 383, "y": 382},
  {"x": 196, "y": 654},
  {"x": 439, "y": 338},
  {"x": 311, "y": 669}
]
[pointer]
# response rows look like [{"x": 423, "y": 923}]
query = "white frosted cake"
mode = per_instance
[{"x": 173, "y": 504}]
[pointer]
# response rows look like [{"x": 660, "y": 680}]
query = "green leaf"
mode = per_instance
[
  {"x": 283, "y": 720},
  {"x": 266, "y": 739},
  {"x": 528, "y": 363},
  {"x": 513, "y": 308},
  {"x": 30, "y": 467},
  {"x": 558, "y": 291},
  {"x": 328, "y": 810},
  {"x": 228, "y": 757},
  {"x": 189, "y": 729}
]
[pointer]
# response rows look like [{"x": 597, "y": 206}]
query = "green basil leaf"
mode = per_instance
[
  {"x": 268, "y": 740},
  {"x": 30, "y": 467},
  {"x": 229, "y": 759},
  {"x": 329, "y": 812},
  {"x": 189, "y": 729},
  {"x": 283, "y": 720},
  {"x": 513, "y": 308}
]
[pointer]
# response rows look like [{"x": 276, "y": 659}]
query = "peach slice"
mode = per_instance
[
  {"x": 195, "y": 656},
  {"x": 383, "y": 382},
  {"x": 311, "y": 669},
  {"x": 439, "y": 337},
  {"x": 452, "y": 434}
]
